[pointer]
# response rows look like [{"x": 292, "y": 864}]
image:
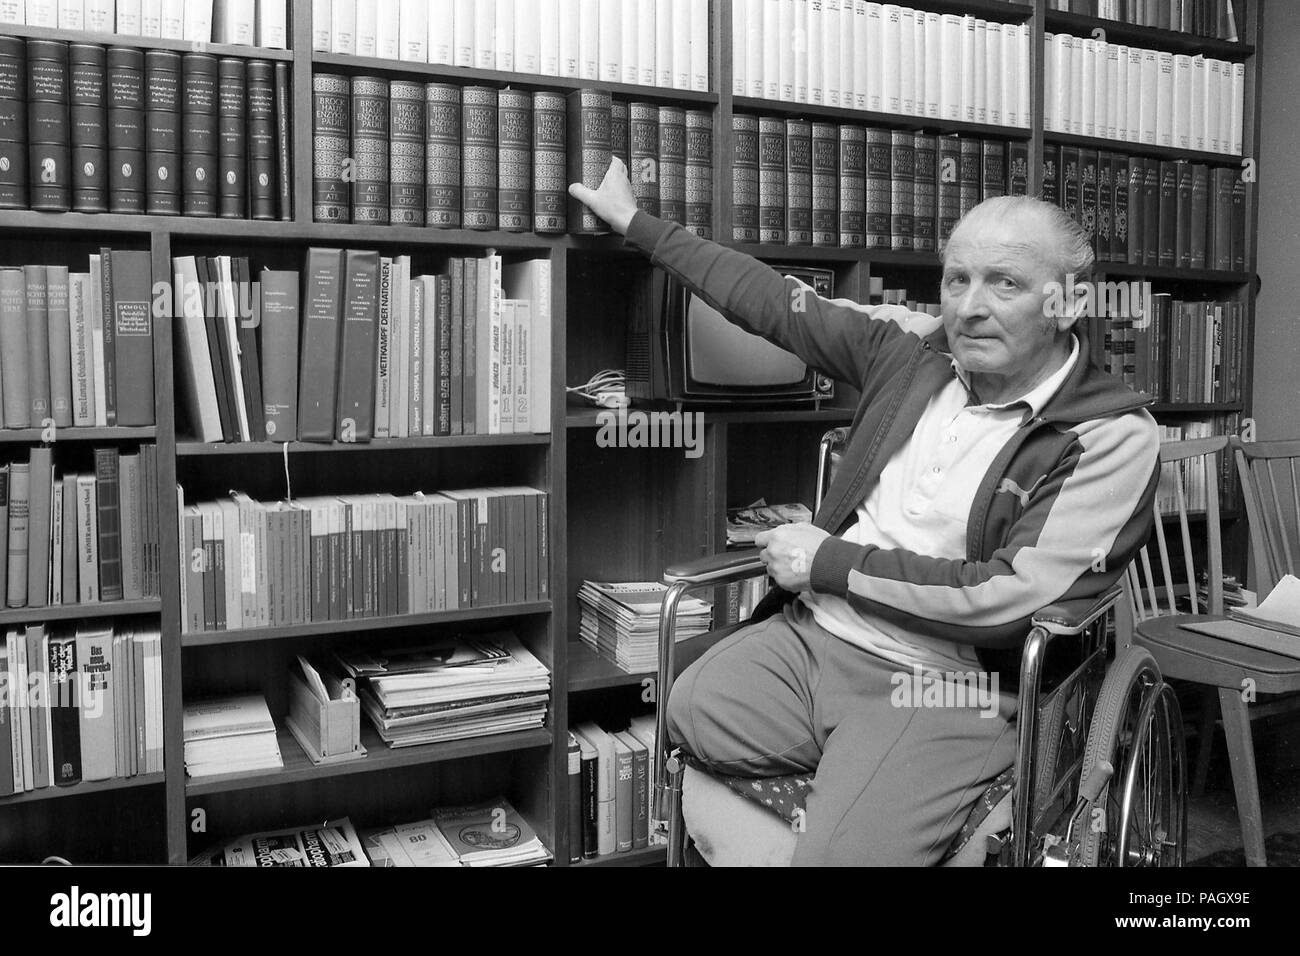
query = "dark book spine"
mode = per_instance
[
  {"x": 644, "y": 147},
  {"x": 550, "y": 185},
  {"x": 853, "y": 187},
  {"x": 924, "y": 193},
  {"x": 1199, "y": 218},
  {"x": 65, "y": 727},
  {"x": 1221, "y": 235},
  {"x": 515, "y": 160},
  {"x": 589, "y": 151},
  {"x": 406, "y": 153},
  {"x": 442, "y": 402},
  {"x": 1238, "y": 223},
  {"x": 442, "y": 191},
  {"x": 1120, "y": 219},
  {"x": 87, "y": 102},
  {"x": 105, "y": 292},
  {"x": 825, "y": 184},
  {"x": 13, "y": 124},
  {"x": 993, "y": 168},
  {"x": 38, "y": 344},
  {"x": 49, "y": 158},
  {"x": 369, "y": 149},
  {"x": 263, "y": 183},
  {"x": 1168, "y": 213},
  {"x": 126, "y": 147},
  {"x": 1051, "y": 189},
  {"x": 699, "y": 173},
  {"x": 948, "y": 173},
  {"x": 356, "y": 390},
  {"x": 1183, "y": 215},
  {"x": 620, "y": 136},
  {"x": 479, "y": 162},
  {"x": 1017, "y": 168},
  {"x": 798, "y": 183},
  {"x": 199, "y": 134},
  {"x": 109, "y": 518},
  {"x": 132, "y": 321},
  {"x": 771, "y": 180},
  {"x": 1105, "y": 201},
  {"x": 284, "y": 140},
  {"x": 331, "y": 147},
  {"x": 1088, "y": 193},
  {"x": 249, "y": 307},
  {"x": 1151, "y": 212},
  {"x": 1137, "y": 174},
  {"x": 902, "y": 179},
  {"x": 744, "y": 179},
  {"x": 1071, "y": 187},
  {"x": 970, "y": 177},
  {"x": 672, "y": 164},
  {"x": 879, "y": 188},
  {"x": 321, "y": 308},
  {"x": 162, "y": 137}
]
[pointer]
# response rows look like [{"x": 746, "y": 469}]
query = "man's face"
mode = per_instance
[{"x": 994, "y": 293}]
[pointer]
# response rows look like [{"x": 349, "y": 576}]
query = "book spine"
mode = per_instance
[
  {"x": 320, "y": 343},
  {"x": 902, "y": 179},
  {"x": 745, "y": 179},
  {"x": 515, "y": 168},
  {"x": 284, "y": 141},
  {"x": 38, "y": 344},
  {"x": 970, "y": 175},
  {"x": 825, "y": 184},
  {"x": 443, "y": 155},
  {"x": 18, "y": 531},
  {"x": 88, "y": 121},
  {"x": 199, "y": 134},
  {"x": 331, "y": 147},
  {"x": 672, "y": 164},
  {"x": 13, "y": 349},
  {"x": 699, "y": 173},
  {"x": 126, "y": 136},
  {"x": 925, "y": 208},
  {"x": 65, "y": 737},
  {"x": 550, "y": 184},
  {"x": 132, "y": 321},
  {"x": 643, "y": 145},
  {"x": 852, "y": 186},
  {"x": 798, "y": 182},
  {"x": 1168, "y": 214},
  {"x": 1088, "y": 193},
  {"x": 13, "y": 128},
  {"x": 406, "y": 123},
  {"x": 162, "y": 119},
  {"x": 263, "y": 181},
  {"x": 589, "y": 152},
  {"x": 879, "y": 188},
  {"x": 619, "y": 133},
  {"x": 41, "y": 469},
  {"x": 49, "y": 160},
  {"x": 370, "y": 192},
  {"x": 479, "y": 163},
  {"x": 108, "y": 514},
  {"x": 356, "y": 391},
  {"x": 771, "y": 180},
  {"x": 1105, "y": 203},
  {"x": 60, "y": 346}
]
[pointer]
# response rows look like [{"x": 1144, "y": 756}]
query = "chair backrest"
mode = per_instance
[
  {"x": 1269, "y": 484},
  {"x": 1189, "y": 486},
  {"x": 828, "y": 459}
]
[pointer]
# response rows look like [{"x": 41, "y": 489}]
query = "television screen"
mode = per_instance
[{"x": 722, "y": 354}]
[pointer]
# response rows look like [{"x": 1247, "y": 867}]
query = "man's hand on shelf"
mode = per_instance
[
  {"x": 613, "y": 201},
  {"x": 788, "y": 553}
]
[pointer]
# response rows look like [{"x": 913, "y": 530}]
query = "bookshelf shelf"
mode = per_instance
[
  {"x": 144, "y": 43},
  {"x": 589, "y": 671},
  {"x": 646, "y": 856},
  {"x": 588, "y": 417},
  {"x": 1131, "y": 34},
  {"x": 16, "y": 436},
  {"x": 77, "y": 612},
  {"x": 749, "y": 104},
  {"x": 84, "y": 789},
  {"x": 254, "y": 635},
  {"x": 1142, "y": 149},
  {"x": 298, "y": 767},
  {"x": 193, "y": 449},
  {"x": 1185, "y": 409},
  {"x": 1172, "y": 273},
  {"x": 469, "y": 76}
]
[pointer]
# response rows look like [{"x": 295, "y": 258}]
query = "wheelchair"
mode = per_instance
[{"x": 1099, "y": 777}]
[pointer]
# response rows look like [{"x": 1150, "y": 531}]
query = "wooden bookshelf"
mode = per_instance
[{"x": 615, "y": 513}]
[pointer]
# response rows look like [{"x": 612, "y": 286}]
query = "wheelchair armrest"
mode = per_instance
[
  {"x": 716, "y": 569},
  {"x": 1071, "y": 617}
]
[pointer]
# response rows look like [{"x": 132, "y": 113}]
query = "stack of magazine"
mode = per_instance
[
  {"x": 230, "y": 735},
  {"x": 487, "y": 684},
  {"x": 620, "y": 622},
  {"x": 491, "y": 833},
  {"x": 333, "y": 844},
  {"x": 744, "y": 523}
]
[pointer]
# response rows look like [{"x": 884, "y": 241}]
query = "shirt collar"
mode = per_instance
[{"x": 1038, "y": 397}]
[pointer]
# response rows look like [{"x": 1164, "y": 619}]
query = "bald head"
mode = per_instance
[{"x": 1047, "y": 230}]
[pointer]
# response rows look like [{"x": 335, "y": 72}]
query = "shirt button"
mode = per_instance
[
  {"x": 937, "y": 470},
  {"x": 952, "y": 438}
]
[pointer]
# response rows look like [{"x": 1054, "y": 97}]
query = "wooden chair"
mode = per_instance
[{"x": 1158, "y": 603}]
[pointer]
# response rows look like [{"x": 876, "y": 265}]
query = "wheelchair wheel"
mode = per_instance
[{"x": 1140, "y": 816}]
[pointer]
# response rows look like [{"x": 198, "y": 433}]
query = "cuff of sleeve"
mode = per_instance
[
  {"x": 645, "y": 231},
  {"x": 830, "y": 570}
]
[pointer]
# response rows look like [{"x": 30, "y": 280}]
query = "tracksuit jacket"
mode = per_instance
[{"x": 1060, "y": 513}]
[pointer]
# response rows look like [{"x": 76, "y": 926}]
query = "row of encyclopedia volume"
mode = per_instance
[
  {"x": 436, "y": 154},
  {"x": 812, "y": 183},
  {"x": 657, "y": 43},
  {"x": 1220, "y": 19},
  {"x": 250, "y": 564},
  {"x": 883, "y": 58},
  {"x": 127, "y": 131},
  {"x": 382, "y": 353},
  {"x": 262, "y": 23},
  {"x": 79, "y": 704},
  {"x": 82, "y": 533},
  {"x": 76, "y": 348}
]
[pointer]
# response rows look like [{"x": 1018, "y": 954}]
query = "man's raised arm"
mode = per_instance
[{"x": 838, "y": 339}]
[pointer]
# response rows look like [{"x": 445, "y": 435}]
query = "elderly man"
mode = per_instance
[{"x": 991, "y": 471}]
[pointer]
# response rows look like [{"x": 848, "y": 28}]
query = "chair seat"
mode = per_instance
[
  {"x": 759, "y": 829},
  {"x": 1191, "y": 656}
]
